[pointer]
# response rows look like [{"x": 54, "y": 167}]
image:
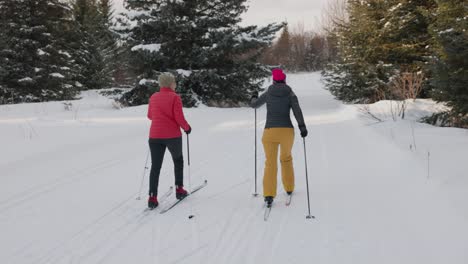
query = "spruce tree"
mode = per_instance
[
  {"x": 404, "y": 33},
  {"x": 381, "y": 40},
  {"x": 96, "y": 43},
  {"x": 315, "y": 56},
  {"x": 85, "y": 16},
  {"x": 450, "y": 78},
  {"x": 405, "y": 41},
  {"x": 358, "y": 75},
  {"x": 124, "y": 74},
  {"x": 36, "y": 61},
  {"x": 107, "y": 42},
  {"x": 215, "y": 58},
  {"x": 282, "y": 49}
]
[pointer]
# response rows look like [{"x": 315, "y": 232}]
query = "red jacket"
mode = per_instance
[{"x": 165, "y": 112}]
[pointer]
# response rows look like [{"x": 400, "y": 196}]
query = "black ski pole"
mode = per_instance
[
  {"x": 143, "y": 176},
  {"x": 309, "y": 216},
  {"x": 255, "y": 193},
  {"x": 189, "y": 177},
  {"x": 188, "y": 153}
]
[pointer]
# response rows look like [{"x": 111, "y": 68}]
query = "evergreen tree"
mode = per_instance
[
  {"x": 201, "y": 41},
  {"x": 405, "y": 41},
  {"x": 358, "y": 75},
  {"x": 381, "y": 39},
  {"x": 124, "y": 74},
  {"x": 451, "y": 67},
  {"x": 316, "y": 53},
  {"x": 4, "y": 93},
  {"x": 35, "y": 58},
  {"x": 85, "y": 15},
  {"x": 107, "y": 44},
  {"x": 96, "y": 43},
  {"x": 404, "y": 33},
  {"x": 282, "y": 49},
  {"x": 106, "y": 12}
]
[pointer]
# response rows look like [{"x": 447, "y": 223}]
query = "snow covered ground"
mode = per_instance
[{"x": 69, "y": 180}]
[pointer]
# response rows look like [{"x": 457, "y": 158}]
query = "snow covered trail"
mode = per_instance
[{"x": 69, "y": 182}]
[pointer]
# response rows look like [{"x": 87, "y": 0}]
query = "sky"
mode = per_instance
[{"x": 262, "y": 12}]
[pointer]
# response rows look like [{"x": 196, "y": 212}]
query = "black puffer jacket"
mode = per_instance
[{"x": 280, "y": 99}]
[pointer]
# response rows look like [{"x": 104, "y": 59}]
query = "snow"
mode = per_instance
[
  {"x": 446, "y": 31},
  {"x": 26, "y": 79},
  {"x": 396, "y": 7},
  {"x": 57, "y": 75},
  {"x": 41, "y": 52},
  {"x": 65, "y": 53},
  {"x": 132, "y": 14},
  {"x": 252, "y": 37},
  {"x": 145, "y": 81},
  {"x": 416, "y": 109},
  {"x": 148, "y": 47},
  {"x": 70, "y": 179},
  {"x": 185, "y": 73}
]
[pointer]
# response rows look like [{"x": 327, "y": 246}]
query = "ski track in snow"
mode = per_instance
[{"x": 68, "y": 191}]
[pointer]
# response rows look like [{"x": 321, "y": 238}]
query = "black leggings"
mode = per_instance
[{"x": 158, "y": 148}]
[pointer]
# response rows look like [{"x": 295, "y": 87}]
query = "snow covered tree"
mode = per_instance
[
  {"x": 36, "y": 62},
  {"x": 404, "y": 37},
  {"x": 381, "y": 39},
  {"x": 107, "y": 42},
  {"x": 123, "y": 73},
  {"x": 97, "y": 45},
  {"x": 358, "y": 75},
  {"x": 214, "y": 58},
  {"x": 451, "y": 67}
]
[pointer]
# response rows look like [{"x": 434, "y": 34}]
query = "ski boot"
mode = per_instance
[
  {"x": 269, "y": 200},
  {"x": 153, "y": 202},
  {"x": 181, "y": 193}
]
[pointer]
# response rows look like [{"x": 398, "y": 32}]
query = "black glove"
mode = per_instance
[
  {"x": 188, "y": 131},
  {"x": 303, "y": 131},
  {"x": 254, "y": 95}
]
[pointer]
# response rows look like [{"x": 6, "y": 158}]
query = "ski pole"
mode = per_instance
[
  {"x": 309, "y": 216},
  {"x": 189, "y": 176},
  {"x": 188, "y": 153},
  {"x": 143, "y": 176},
  {"x": 255, "y": 193}
]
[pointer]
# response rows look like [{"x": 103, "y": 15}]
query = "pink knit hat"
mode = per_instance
[{"x": 278, "y": 75}]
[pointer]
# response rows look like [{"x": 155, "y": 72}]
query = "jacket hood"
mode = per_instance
[{"x": 279, "y": 90}]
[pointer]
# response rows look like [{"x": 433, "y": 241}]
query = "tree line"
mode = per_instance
[
  {"x": 52, "y": 50},
  {"x": 299, "y": 50},
  {"x": 370, "y": 50}
]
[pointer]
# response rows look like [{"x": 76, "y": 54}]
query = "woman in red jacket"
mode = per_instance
[{"x": 165, "y": 112}]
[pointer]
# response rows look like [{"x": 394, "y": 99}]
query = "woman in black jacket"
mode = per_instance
[{"x": 279, "y": 132}]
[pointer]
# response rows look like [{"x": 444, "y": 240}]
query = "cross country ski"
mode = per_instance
[{"x": 172, "y": 204}]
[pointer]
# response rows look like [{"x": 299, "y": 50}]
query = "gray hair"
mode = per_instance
[{"x": 166, "y": 79}]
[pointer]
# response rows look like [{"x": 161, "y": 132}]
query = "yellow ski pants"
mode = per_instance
[{"x": 272, "y": 139}]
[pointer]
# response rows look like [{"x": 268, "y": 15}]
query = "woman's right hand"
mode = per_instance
[
  {"x": 254, "y": 96},
  {"x": 304, "y": 131}
]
